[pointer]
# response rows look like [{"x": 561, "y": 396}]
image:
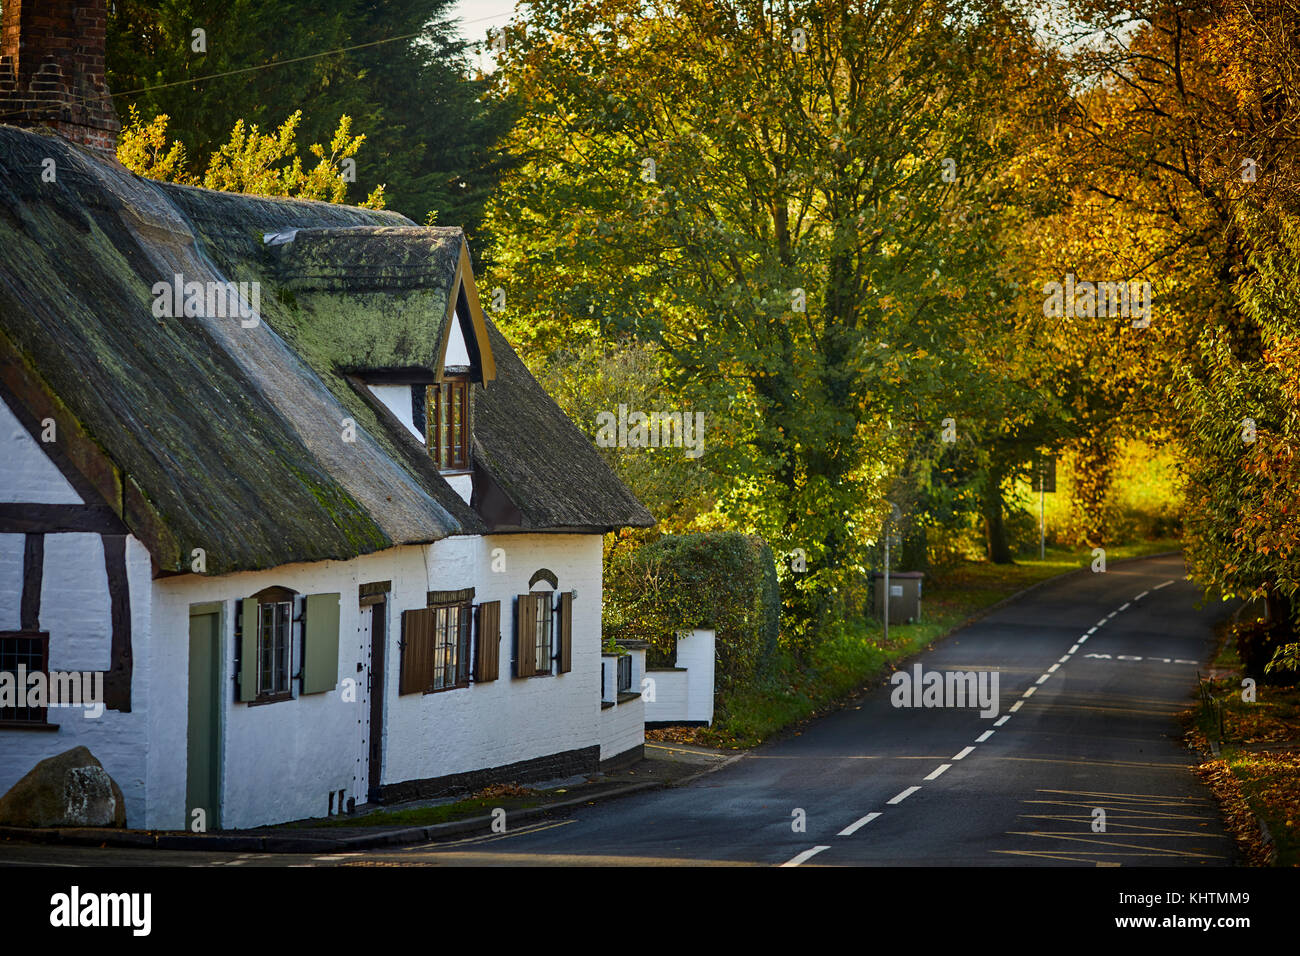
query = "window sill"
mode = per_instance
[
  {"x": 625, "y": 695},
  {"x": 269, "y": 699},
  {"x": 441, "y": 690},
  {"x": 27, "y": 725}
]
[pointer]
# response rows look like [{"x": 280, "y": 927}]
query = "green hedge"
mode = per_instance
[{"x": 723, "y": 580}]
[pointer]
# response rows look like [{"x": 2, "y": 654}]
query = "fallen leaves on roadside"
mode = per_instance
[
  {"x": 1237, "y": 815},
  {"x": 502, "y": 790}
]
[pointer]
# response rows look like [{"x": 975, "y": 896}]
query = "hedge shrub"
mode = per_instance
[{"x": 723, "y": 580}]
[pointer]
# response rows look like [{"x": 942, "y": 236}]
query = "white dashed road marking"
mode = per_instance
[
  {"x": 1001, "y": 720},
  {"x": 963, "y": 753},
  {"x": 1017, "y": 705},
  {"x": 984, "y": 736},
  {"x": 903, "y": 796},
  {"x": 805, "y": 856},
  {"x": 934, "y": 774},
  {"x": 853, "y": 828}
]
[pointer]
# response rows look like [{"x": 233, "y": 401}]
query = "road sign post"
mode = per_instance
[{"x": 1044, "y": 481}]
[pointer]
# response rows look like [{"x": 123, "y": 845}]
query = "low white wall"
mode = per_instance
[
  {"x": 685, "y": 693},
  {"x": 622, "y": 726}
]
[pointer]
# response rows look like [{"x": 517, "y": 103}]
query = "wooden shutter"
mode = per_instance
[
  {"x": 566, "y": 632},
  {"x": 248, "y": 650},
  {"x": 487, "y": 659},
  {"x": 417, "y": 650},
  {"x": 320, "y": 659},
  {"x": 525, "y": 635}
]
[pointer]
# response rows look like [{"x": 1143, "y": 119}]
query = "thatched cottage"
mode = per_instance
[{"x": 271, "y": 474}]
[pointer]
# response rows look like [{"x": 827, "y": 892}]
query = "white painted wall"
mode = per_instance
[
  {"x": 687, "y": 692},
  {"x": 397, "y": 399},
  {"x": 671, "y": 698},
  {"x": 622, "y": 727},
  {"x": 26, "y": 472},
  {"x": 457, "y": 353},
  {"x": 11, "y": 580},
  {"x": 463, "y": 485},
  {"x": 509, "y": 719},
  {"x": 75, "y": 610},
  {"x": 281, "y": 760}
]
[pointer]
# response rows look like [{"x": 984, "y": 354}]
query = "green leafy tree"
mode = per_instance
[{"x": 800, "y": 205}]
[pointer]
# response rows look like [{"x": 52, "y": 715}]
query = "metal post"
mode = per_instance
[
  {"x": 1042, "y": 524},
  {"x": 886, "y": 586}
]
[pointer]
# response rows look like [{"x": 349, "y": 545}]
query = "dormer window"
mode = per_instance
[{"x": 448, "y": 423}]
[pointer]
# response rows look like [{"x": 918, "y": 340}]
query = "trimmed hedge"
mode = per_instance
[{"x": 723, "y": 580}]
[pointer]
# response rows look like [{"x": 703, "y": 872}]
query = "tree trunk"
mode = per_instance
[{"x": 995, "y": 530}]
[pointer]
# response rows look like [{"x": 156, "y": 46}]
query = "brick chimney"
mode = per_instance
[{"x": 52, "y": 71}]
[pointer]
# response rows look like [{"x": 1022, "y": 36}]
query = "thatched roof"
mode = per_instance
[
  {"x": 546, "y": 466},
  {"x": 203, "y": 433}
]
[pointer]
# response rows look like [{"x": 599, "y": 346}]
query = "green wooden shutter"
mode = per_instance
[
  {"x": 487, "y": 658},
  {"x": 320, "y": 659},
  {"x": 566, "y": 632},
  {"x": 525, "y": 636},
  {"x": 248, "y": 651}
]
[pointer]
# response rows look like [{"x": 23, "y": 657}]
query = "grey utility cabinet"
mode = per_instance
[{"x": 904, "y": 596}]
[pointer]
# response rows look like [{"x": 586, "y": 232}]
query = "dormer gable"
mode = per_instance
[{"x": 463, "y": 348}]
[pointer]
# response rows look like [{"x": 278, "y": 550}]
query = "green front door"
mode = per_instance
[{"x": 203, "y": 773}]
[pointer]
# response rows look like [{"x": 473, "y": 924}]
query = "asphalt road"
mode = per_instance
[{"x": 1091, "y": 670}]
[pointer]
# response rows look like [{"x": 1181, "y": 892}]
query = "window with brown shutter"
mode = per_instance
[
  {"x": 536, "y": 636},
  {"x": 435, "y": 648},
  {"x": 566, "y": 633},
  {"x": 448, "y": 424},
  {"x": 525, "y": 635}
]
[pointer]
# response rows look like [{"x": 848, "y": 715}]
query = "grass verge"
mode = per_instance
[
  {"x": 788, "y": 691},
  {"x": 1256, "y": 776}
]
